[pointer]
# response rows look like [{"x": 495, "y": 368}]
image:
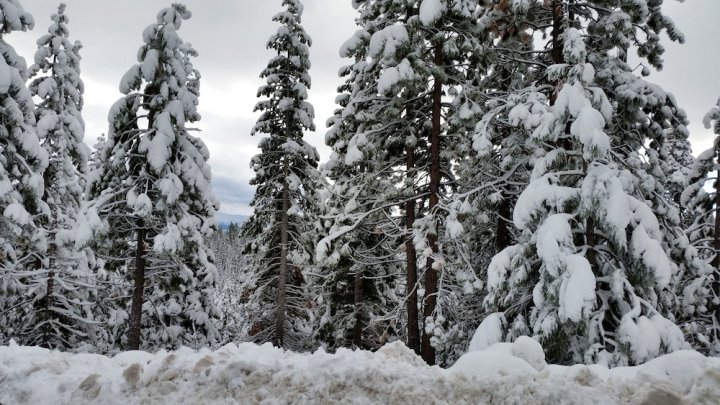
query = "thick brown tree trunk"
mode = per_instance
[
  {"x": 282, "y": 277},
  {"x": 431, "y": 273},
  {"x": 413, "y": 329},
  {"x": 133, "y": 341}
]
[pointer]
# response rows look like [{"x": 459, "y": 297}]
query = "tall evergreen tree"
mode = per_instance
[
  {"x": 372, "y": 135},
  {"x": 22, "y": 162},
  {"x": 400, "y": 139},
  {"x": 281, "y": 231},
  {"x": 62, "y": 283},
  {"x": 153, "y": 194},
  {"x": 700, "y": 290},
  {"x": 450, "y": 56},
  {"x": 597, "y": 219}
]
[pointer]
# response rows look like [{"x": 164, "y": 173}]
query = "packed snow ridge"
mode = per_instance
[{"x": 503, "y": 373}]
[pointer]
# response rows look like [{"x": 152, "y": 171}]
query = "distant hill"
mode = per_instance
[{"x": 224, "y": 220}]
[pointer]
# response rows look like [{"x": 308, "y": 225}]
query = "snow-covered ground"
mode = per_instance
[{"x": 502, "y": 374}]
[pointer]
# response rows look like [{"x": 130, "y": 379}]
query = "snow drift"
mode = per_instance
[{"x": 247, "y": 373}]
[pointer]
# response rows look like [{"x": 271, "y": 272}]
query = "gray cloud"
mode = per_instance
[{"x": 235, "y": 195}]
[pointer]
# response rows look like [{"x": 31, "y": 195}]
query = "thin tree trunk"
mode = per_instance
[
  {"x": 716, "y": 260},
  {"x": 47, "y": 314},
  {"x": 502, "y": 235},
  {"x": 431, "y": 274},
  {"x": 413, "y": 329},
  {"x": 502, "y": 231},
  {"x": 133, "y": 342},
  {"x": 282, "y": 277},
  {"x": 590, "y": 236},
  {"x": 358, "y": 301},
  {"x": 48, "y": 301},
  {"x": 557, "y": 44}
]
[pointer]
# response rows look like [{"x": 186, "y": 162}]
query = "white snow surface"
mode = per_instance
[
  {"x": 488, "y": 333},
  {"x": 431, "y": 11},
  {"x": 247, "y": 373}
]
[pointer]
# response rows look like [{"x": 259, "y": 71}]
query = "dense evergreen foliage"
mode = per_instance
[
  {"x": 150, "y": 195},
  {"x": 22, "y": 164},
  {"x": 62, "y": 285},
  {"x": 497, "y": 167},
  {"x": 280, "y": 233}
]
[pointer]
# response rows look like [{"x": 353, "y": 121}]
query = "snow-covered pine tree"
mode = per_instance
[
  {"x": 495, "y": 166},
  {"x": 22, "y": 162},
  {"x": 373, "y": 136},
  {"x": 450, "y": 58},
  {"x": 281, "y": 232},
  {"x": 62, "y": 284},
  {"x": 416, "y": 53},
  {"x": 592, "y": 254},
  {"x": 153, "y": 195},
  {"x": 496, "y": 170},
  {"x": 648, "y": 128},
  {"x": 699, "y": 291}
]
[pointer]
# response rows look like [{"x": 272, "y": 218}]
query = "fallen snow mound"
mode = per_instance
[{"x": 247, "y": 373}]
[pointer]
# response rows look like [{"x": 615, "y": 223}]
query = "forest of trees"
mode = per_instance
[{"x": 505, "y": 165}]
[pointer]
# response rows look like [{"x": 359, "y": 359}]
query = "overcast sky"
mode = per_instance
[{"x": 230, "y": 36}]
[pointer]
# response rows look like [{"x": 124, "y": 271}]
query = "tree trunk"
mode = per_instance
[
  {"x": 590, "y": 237},
  {"x": 358, "y": 301},
  {"x": 557, "y": 44},
  {"x": 502, "y": 234},
  {"x": 47, "y": 306},
  {"x": 413, "y": 329},
  {"x": 133, "y": 342},
  {"x": 282, "y": 277},
  {"x": 431, "y": 273},
  {"x": 716, "y": 235},
  {"x": 48, "y": 301},
  {"x": 502, "y": 231}
]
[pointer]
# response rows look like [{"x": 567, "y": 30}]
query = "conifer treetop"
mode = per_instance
[{"x": 287, "y": 78}]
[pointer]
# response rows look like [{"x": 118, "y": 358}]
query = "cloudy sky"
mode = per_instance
[{"x": 230, "y": 36}]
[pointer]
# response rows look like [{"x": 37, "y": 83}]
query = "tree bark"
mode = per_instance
[
  {"x": 282, "y": 277},
  {"x": 716, "y": 235},
  {"x": 431, "y": 273},
  {"x": 48, "y": 301},
  {"x": 502, "y": 231},
  {"x": 413, "y": 329},
  {"x": 502, "y": 234},
  {"x": 358, "y": 301},
  {"x": 590, "y": 242},
  {"x": 133, "y": 342},
  {"x": 557, "y": 44},
  {"x": 47, "y": 306}
]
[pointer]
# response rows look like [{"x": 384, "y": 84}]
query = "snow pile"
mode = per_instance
[{"x": 247, "y": 373}]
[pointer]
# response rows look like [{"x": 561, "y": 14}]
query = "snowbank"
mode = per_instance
[{"x": 246, "y": 373}]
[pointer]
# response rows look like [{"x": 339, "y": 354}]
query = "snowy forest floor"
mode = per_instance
[{"x": 247, "y": 373}]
